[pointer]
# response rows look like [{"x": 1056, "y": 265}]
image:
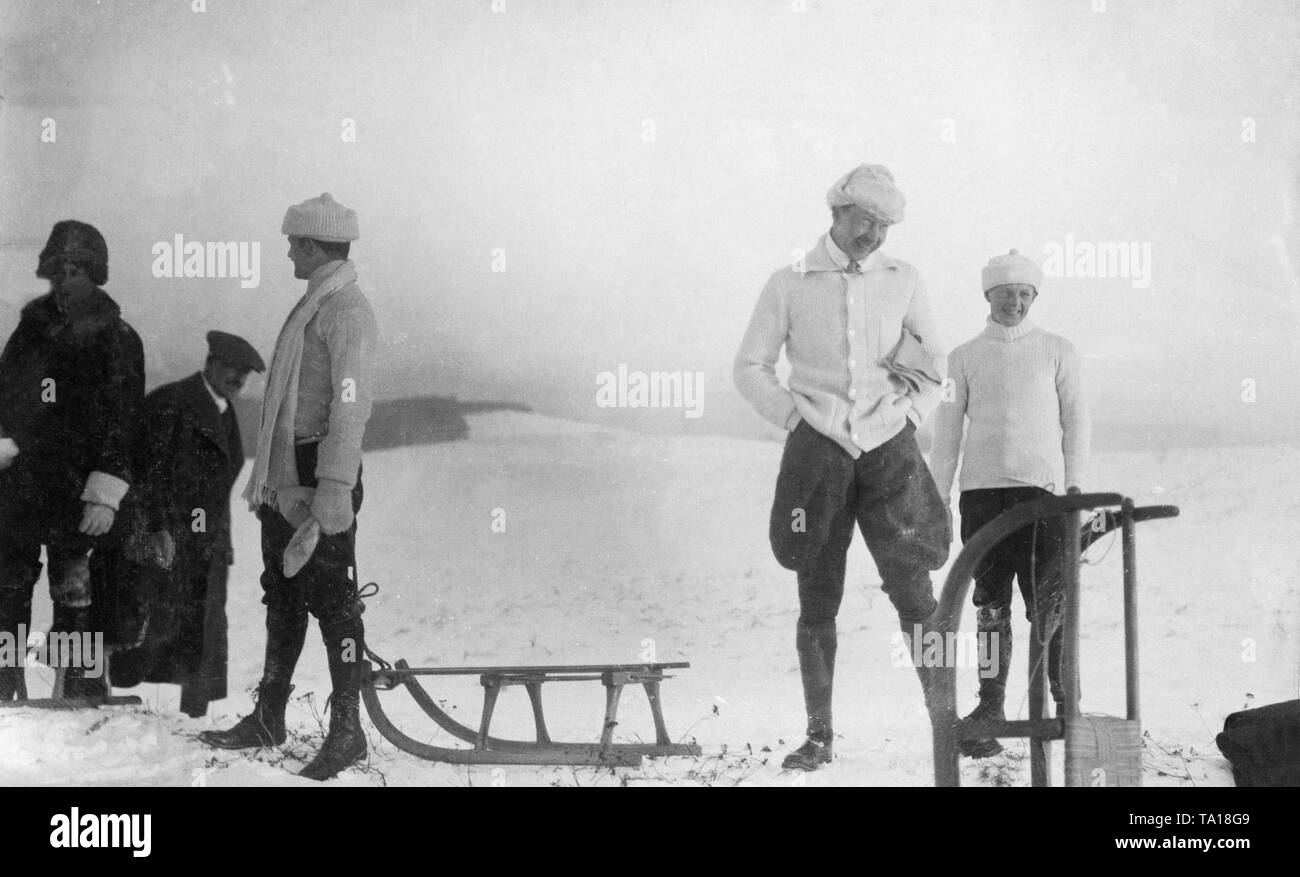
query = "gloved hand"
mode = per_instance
[
  {"x": 97, "y": 519},
  {"x": 8, "y": 450},
  {"x": 294, "y": 503},
  {"x": 332, "y": 507},
  {"x": 162, "y": 548}
]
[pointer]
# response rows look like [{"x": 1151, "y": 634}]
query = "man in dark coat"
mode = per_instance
[
  {"x": 189, "y": 454},
  {"x": 71, "y": 382}
]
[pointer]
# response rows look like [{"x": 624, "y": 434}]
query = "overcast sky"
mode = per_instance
[{"x": 639, "y": 168}]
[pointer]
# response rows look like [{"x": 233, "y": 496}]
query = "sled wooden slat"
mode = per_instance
[
  {"x": 486, "y": 749},
  {"x": 72, "y": 703},
  {"x": 547, "y": 670},
  {"x": 1048, "y": 729}
]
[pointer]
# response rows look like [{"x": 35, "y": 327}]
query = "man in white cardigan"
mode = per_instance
[
  {"x": 851, "y": 455},
  {"x": 1018, "y": 392},
  {"x": 308, "y": 469}
]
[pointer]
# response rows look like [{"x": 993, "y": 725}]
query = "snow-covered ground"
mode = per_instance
[{"x": 619, "y": 546}]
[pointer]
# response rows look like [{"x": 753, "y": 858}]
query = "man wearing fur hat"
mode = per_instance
[
  {"x": 849, "y": 317},
  {"x": 1017, "y": 393},
  {"x": 71, "y": 381},
  {"x": 307, "y": 474}
]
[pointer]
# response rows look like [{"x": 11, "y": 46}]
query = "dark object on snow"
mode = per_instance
[{"x": 1263, "y": 745}]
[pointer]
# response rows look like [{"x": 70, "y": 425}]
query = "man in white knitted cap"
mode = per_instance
[
  {"x": 1017, "y": 392},
  {"x": 843, "y": 315},
  {"x": 307, "y": 474}
]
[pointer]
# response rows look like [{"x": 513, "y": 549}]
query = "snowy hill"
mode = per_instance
[{"x": 619, "y": 545}]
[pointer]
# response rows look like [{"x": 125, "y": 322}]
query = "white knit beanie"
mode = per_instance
[
  {"x": 871, "y": 187},
  {"x": 1012, "y": 268},
  {"x": 322, "y": 219}
]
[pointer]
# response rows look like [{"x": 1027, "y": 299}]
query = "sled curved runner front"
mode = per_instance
[
  {"x": 1099, "y": 750},
  {"x": 487, "y": 749}
]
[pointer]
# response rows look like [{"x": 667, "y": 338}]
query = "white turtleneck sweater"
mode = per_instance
[{"x": 1021, "y": 391}]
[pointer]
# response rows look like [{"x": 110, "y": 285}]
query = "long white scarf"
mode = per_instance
[{"x": 275, "y": 467}]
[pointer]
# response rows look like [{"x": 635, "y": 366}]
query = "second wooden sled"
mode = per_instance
[{"x": 486, "y": 749}]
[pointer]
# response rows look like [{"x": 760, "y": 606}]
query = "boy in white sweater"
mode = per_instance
[{"x": 1019, "y": 390}]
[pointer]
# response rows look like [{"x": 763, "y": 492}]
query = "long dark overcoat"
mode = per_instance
[{"x": 189, "y": 456}]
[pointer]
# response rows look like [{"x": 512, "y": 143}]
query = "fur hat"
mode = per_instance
[
  {"x": 871, "y": 187},
  {"x": 79, "y": 243}
]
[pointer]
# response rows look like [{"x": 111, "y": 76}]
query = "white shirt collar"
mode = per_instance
[
  {"x": 222, "y": 402},
  {"x": 839, "y": 261}
]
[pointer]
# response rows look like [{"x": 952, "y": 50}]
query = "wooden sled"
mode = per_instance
[
  {"x": 1099, "y": 750},
  {"x": 486, "y": 749}
]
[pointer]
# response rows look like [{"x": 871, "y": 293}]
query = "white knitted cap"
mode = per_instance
[
  {"x": 871, "y": 187},
  {"x": 322, "y": 219},
  {"x": 1012, "y": 268}
]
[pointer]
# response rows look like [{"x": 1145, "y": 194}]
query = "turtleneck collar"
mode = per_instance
[{"x": 999, "y": 332}]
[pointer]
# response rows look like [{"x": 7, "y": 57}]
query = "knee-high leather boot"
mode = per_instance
[
  {"x": 816, "y": 644},
  {"x": 994, "y": 630},
  {"x": 345, "y": 745},
  {"x": 286, "y": 630}
]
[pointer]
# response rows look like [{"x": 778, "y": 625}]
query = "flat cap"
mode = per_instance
[{"x": 234, "y": 351}]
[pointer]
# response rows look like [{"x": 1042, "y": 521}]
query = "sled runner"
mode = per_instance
[
  {"x": 58, "y": 702},
  {"x": 71, "y": 703},
  {"x": 1099, "y": 750},
  {"x": 486, "y": 749}
]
